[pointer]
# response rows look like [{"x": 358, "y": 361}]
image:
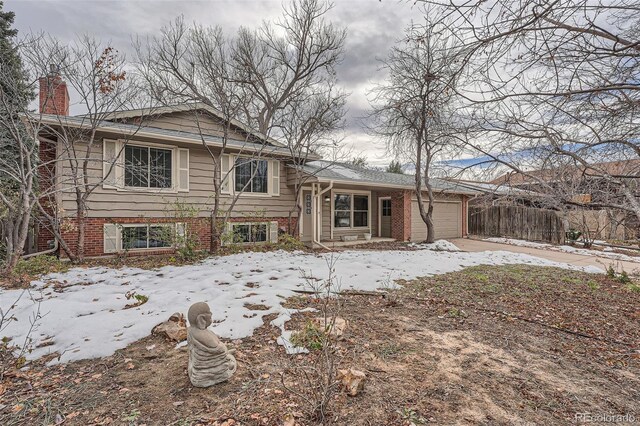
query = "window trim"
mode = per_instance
[
  {"x": 174, "y": 167},
  {"x": 267, "y": 223},
  {"x": 122, "y": 226},
  {"x": 351, "y": 193},
  {"x": 269, "y": 181},
  {"x": 272, "y": 162}
]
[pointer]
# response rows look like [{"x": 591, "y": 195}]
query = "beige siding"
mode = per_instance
[
  {"x": 188, "y": 121},
  {"x": 447, "y": 218},
  {"x": 327, "y": 217},
  {"x": 148, "y": 203}
]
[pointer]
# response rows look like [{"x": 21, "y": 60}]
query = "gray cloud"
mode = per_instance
[{"x": 373, "y": 26}]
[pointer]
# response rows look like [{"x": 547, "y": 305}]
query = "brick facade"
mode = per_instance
[
  {"x": 94, "y": 232},
  {"x": 54, "y": 96},
  {"x": 400, "y": 214},
  {"x": 46, "y": 175}
]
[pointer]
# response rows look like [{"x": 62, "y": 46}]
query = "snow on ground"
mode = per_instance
[
  {"x": 439, "y": 245},
  {"x": 84, "y": 316},
  {"x": 567, "y": 249}
]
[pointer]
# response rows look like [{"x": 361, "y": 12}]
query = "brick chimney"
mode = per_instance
[{"x": 54, "y": 96}]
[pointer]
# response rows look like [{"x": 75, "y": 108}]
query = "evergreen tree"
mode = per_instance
[
  {"x": 13, "y": 77},
  {"x": 395, "y": 167}
]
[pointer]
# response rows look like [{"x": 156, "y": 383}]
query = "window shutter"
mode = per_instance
[
  {"x": 181, "y": 232},
  {"x": 111, "y": 233},
  {"x": 183, "y": 170},
  {"x": 109, "y": 153},
  {"x": 225, "y": 176},
  {"x": 274, "y": 166},
  {"x": 273, "y": 232}
]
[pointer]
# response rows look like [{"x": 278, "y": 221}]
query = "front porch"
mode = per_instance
[
  {"x": 340, "y": 215},
  {"x": 340, "y": 243}
]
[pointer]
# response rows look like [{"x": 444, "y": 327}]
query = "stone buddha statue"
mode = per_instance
[{"x": 210, "y": 362}]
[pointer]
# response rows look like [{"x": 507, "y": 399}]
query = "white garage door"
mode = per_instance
[{"x": 447, "y": 218}]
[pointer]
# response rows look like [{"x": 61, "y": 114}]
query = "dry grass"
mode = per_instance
[{"x": 487, "y": 345}]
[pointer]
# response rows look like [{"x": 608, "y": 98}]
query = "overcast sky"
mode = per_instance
[{"x": 372, "y": 25}]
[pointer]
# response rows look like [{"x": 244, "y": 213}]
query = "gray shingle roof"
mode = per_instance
[
  {"x": 344, "y": 172},
  {"x": 147, "y": 131}
]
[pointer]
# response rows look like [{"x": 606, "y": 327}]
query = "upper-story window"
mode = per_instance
[
  {"x": 147, "y": 167},
  {"x": 251, "y": 175}
]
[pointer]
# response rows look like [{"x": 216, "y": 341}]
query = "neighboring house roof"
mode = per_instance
[
  {"x": 613, "y": 168},
  {"x": 345, "y": 173},
  {"x": 155, "y": 111},
  {"x": 162, "y": 134}
]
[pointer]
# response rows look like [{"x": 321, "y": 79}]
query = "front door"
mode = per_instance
[
  {"x": 385, "y": 217},
  {"x": 306, "y": 216}
]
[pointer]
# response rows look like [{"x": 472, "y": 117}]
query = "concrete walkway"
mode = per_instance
[{"x": 473, "y": 245}]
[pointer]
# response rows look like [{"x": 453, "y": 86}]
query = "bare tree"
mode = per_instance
[
  {"x": 273, "y": 83},
  {"x": 96, "y": 74},
  {"x": 18, "y": 167},
  {"x": 412, "y": 109},
  {"x": 309, "y": 126},
  {"x": 557, "y": 80},
  {"x": 194, "y": 65},
  {"x": 278, "y": 69}
]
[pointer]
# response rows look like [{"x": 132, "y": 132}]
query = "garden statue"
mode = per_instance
[{"x": 210, "y": 362}]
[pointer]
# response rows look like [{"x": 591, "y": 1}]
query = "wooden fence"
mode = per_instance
[{"x": 525, "y": 223}]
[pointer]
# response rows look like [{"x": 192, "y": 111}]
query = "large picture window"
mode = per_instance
[
  {"x": 251, "y": 175},
  {"x": 351, "y": 210},
  {"x": 147, "y": 167},
  {"x": 146, "y": 236}
]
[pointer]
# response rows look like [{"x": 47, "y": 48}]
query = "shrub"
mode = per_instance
[
  {"x": 39, "y": 265},
  {"x": 289, "y": 243},
  {"x": 311, "y": 337}
]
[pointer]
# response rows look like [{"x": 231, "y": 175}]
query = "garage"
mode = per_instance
[{"x": 447, "y": 218}]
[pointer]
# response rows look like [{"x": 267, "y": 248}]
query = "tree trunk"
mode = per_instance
[{"x": 81, "y": 235}]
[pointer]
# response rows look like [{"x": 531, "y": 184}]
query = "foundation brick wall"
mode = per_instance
[{"x": 94, "y": 232}]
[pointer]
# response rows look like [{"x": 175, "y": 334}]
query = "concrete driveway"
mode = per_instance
[{"x": 473, "y": 245}]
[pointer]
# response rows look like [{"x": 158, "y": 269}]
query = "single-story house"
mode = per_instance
[{"x": 131, "y": 205}]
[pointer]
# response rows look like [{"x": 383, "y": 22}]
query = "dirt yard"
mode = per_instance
[{"x": 488, "y": 345}]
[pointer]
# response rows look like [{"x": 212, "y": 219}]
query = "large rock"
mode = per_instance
[
  {"x": 352, "y": 381},
  {"x": 173, "y": 329},
  {"x": 336, "y": 329}
]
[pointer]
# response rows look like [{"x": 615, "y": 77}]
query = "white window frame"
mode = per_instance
[
  {"x": 228, "y": 169},
  {"x": 148, "y": 225},
  {"x": 351, "y": 193},
  {"x": 174, "y": 167},
  {"x": 175, "y": 227},
  {"x": 272, "y": 231},
  {"x": 119, "y": 168},
  {"x": 249, "y": 158}
]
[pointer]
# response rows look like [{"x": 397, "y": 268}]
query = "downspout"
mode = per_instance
[
  {"x": 40, "y": 253},
  {"x": 319, "y": 199}
]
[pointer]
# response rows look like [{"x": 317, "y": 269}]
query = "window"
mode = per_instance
[
  {"x": 351, "y": 211},
  {"x": 360, "y": 210},
  {"x": 147, "y": 167},
  {"x": 250, "y": 233},
  {"x": 386, "y": 208},
  {"x": 251, "y": 175},
  {"x": 342, "y": 211},
  {"x": 146, "y": 236}
]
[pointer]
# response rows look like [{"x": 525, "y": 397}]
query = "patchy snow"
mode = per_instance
[
  {"x": 567, "y": 249},
  {"x": 439, "y": 245},
  {"x": 84, "y": 314}
]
